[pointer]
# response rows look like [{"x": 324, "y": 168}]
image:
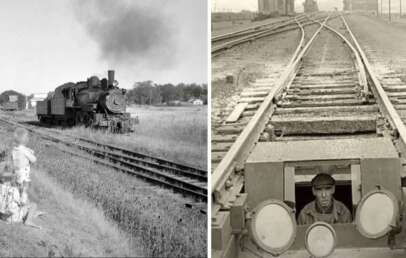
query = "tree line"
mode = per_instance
[{"x": 150, "y": 93}]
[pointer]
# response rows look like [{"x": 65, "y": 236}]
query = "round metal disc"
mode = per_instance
[
  {"x": 273, "y": 226},
  {"x": 320, "y": 239},
  {"x": 376, "y": 212}
]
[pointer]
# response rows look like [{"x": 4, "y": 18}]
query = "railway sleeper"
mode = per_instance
[
  {"x": 251, "y": 100},
  {"x": 216, "y": 157},
  {"x": 324, "y": 125},
  {"x": 349, "y": 102},
  {"x": 229, "y": 129},
  {"x": 336, "y": 82},
  {"x": 333, "y": 109},
  {"x": 307, "y": 92},
  {"x": 215, "y": 147},
  {"x": 322, "y": 86},
  {"x": 223, "y": 138},
  {"x": 325, "y": 97},
  {"x": 395, "y": 88}
]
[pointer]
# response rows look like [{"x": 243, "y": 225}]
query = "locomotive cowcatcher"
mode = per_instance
[{"x": 94, "y": 103}]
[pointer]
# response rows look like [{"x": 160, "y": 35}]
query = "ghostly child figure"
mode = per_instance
[{"x": 22, "y": 158}]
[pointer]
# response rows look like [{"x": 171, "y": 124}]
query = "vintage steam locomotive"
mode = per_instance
[
  {"x": 93, "y": 103},
  {"x": 310, "y": 6}
]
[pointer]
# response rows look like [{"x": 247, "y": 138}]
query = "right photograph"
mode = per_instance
[{"x": 308, "y": 141}]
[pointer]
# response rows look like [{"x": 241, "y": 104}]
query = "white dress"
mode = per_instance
[{"x": 22, "y": 157}]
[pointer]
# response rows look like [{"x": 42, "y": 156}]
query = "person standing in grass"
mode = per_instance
[
  {"x": 22, "y": 158},
  {"x": 12, "y": 210}
]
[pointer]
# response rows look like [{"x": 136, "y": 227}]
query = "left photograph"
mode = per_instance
[{"x": 103, "y": 128}]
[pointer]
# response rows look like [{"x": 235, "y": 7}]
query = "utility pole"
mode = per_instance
[
  {"x": 389, "y": 12},
  {"x": 381, "y": 8},
  {"x": 400, "y": 8}
]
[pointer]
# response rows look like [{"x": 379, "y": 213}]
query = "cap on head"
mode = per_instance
[{"x": 323, "y": 179}]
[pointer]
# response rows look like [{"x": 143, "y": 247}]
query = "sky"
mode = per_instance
[
  {"x": 45, "y": 43},
  {"x": 324, "y": 5},
  {"x": 237, "y": 5}
]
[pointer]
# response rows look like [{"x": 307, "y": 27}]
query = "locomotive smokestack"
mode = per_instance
[{"x": 110, "y": 75}]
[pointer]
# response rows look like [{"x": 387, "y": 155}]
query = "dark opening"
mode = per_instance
[{"x": 304, "y": 195}]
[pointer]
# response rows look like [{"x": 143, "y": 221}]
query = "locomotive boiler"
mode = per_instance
[{"x": 94, "y": 103}]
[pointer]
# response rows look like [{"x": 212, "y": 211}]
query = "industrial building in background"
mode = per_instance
[
  {"x": 11, "y": 100},
  {"x": 276, "y": 7},
  {"x": 310, "y": 6},
  {"x": 361, "y": 5}
]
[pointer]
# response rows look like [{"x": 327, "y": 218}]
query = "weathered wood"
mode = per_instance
[
  {"x": 324, "y": 137},
  {"x": 321, "y": 97},
  {"x": 305, "y": 110},
  {"x": 217, "y": 156},
  {"x": 251, "y": 100},
  {"x": 254, "y": 93},
  {"x": 229, "y": 129},
  {"x": 321, "y": 103},
  {"x": 400, "y": 95},
  {"x": 324, "y": 125},
  {"x": 223, "y": 138},
  {"x": 299, "y": 91},
  {"x": 249, "y": 113},
  {"x": 236, "y": 113},
  {"x": 216, "y": 147},
  {"x": 397, "y": 88},
  {"x": 331, "y": 83},
  {"x": 322, "y": 86},
  {"x": 252, "y": 106}
]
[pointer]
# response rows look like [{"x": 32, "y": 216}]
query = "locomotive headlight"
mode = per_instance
[
  {"x": 273, "y": 226},
  {"x": 377, "y": 213},
  {"x": 320, "y": 239}
]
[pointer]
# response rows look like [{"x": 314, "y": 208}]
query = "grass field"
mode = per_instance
[
  {"x": 155, "y": 218},
  {"x": 175, "y": 133},
  {"x": 70, "y": 227}
]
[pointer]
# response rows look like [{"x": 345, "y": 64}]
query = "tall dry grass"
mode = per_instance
[
  {"x": 155, "y": 217},
  {"x": 175, "y": 133}
]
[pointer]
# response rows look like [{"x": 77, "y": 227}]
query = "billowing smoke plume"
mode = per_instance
[{"x": 130, "y": 32}]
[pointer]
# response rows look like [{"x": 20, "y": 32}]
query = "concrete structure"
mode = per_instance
[
  {"x": 361, "y": 5},
  {"x": 276, "y": 7}
]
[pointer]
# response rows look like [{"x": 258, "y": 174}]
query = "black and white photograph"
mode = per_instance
[
  {"x": 308, "y": 136},
  {"x": 103, "y": 128}
]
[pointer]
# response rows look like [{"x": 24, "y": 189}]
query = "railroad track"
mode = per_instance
[
  {"x": 226, "y": 131},
  {"x": 328, "y": 90},
  {"x": 183, "y": 179},
  {"x": 223, "y": 42}
]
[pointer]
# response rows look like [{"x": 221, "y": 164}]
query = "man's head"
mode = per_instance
[
  {"x": 323, "y": 187},
  {"x": 20, "y": 136}
]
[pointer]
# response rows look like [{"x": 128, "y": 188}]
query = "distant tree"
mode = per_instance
[{"x": 150, "y": 93}]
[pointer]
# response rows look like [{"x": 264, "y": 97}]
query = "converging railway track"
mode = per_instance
[
  {"x": 189, "y": 181},
  {"x": 328, "y": 91}
]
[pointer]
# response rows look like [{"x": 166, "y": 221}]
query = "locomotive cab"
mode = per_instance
[{"x": 277, "y": 186}]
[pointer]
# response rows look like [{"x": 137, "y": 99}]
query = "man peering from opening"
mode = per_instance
[{"x": 324, "y": 208}]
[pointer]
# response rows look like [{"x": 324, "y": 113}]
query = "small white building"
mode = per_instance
[
  {"x": 32, "y": 102},
  {"x": 197, "y": 102}
]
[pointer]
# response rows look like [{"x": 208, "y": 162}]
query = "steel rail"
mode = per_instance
[
  {"x": 238, "y": 153},
  {"x": 362, "y": 78},
  {"x": 215, "y": 50},
  {"x": 250, "y": 29},
  {"x": 169, "y": 164},
  {"x": 146, "y": 172},
  {"x": 152, "y": 161},
  {"x": 384, "y": 102}
]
